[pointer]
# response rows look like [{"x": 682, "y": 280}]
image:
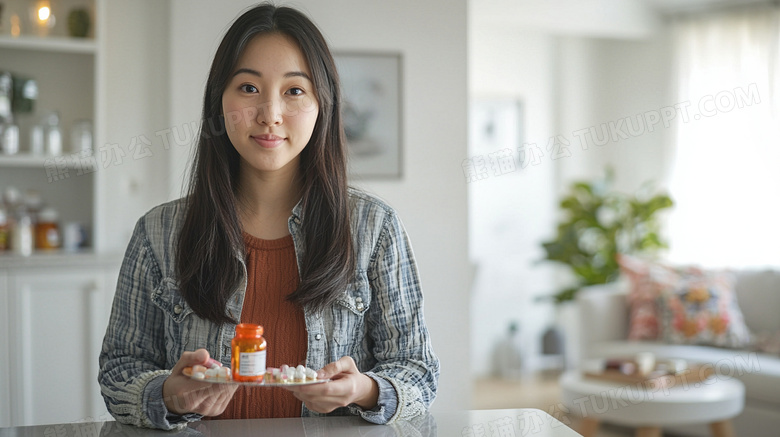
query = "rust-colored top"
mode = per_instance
[{"x": 272, "y": 274}]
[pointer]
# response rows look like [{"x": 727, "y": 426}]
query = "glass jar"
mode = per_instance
[
  {"x": 22, "y": 236},
  {"x": 248, "y": 353},
  {"x": 37, "y": 140},
  {"x": 53, "y": 134},
  {"x": 81, "y": 137},
  {"x": 9, "y": 136},
  {"x": 47, "y": 231},
  {"x": 4, "y": 230}
]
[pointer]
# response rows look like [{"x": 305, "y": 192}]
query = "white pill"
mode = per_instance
[
  {"x": 211, "y": 373},
  {"x": 198, "y": 375},
  {"x": 678, "y": 365}
]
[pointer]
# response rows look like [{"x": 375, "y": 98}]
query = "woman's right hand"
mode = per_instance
[{"x": 183, "y": 394}]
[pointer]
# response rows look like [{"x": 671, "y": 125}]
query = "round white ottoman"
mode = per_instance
[{"x": 714, "y": 401}]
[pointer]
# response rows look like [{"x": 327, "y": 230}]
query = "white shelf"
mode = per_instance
[
  {"x": 24, "y": 160},
  {"x": 57, "y": 258},
  {"x": 49, "y": 44}
]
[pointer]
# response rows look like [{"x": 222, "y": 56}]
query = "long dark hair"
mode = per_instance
[{"x": 211, "y": 235}]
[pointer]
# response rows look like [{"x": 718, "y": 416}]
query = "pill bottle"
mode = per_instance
[{"x": 248, "y": 353}]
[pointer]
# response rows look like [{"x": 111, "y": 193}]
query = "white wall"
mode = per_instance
[
  {"x": 431, "y": 197},
  {"x": 602, "y": 18},
  {"x": 611, "y": 80},
  {"x": 133, "y": 109},
  {"x": 511, "y": 214}
]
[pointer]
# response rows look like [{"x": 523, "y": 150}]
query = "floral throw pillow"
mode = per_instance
[
  {"x": 682, "y": 305},
  {"x": 702, "y": 309},
  {"x": 648, "y": 280}
]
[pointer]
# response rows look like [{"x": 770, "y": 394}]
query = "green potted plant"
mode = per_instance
[{"x": 599, "y": 223}]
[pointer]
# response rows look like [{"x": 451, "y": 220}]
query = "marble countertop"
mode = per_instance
[{"x": 514, "y": 422}]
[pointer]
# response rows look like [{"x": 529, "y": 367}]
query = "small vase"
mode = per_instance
[
  {"x": 510, "y": 354},
  {"x": 552, "y": 341},
  {"x": 78, "y": 23}
]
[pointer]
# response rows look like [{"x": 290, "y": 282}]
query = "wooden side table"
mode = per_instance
[{"x": 714, "y": 401}]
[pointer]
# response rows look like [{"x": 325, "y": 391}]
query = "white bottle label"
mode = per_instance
[{"x": 251, "y": 363}]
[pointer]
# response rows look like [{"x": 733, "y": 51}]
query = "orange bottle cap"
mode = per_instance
[{"x": 249, "y": 330}]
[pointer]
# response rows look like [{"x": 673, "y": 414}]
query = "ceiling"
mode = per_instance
[
  {"x": 668, "y": 7},
  {"x": 599, "y": 18}
]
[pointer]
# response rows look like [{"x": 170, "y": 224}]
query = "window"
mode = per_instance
[{"x": 726, "y": 170}]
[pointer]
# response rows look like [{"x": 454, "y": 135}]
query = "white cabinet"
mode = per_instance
[
  {"x": 5, "y": 338},
  {"x": 56, "y": 318},
  {"x": 55, "y": 323}
]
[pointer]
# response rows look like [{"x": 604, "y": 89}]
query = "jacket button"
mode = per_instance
[
  {"x": 318, "y": 337},
  {"x": 177, "y": 309},
  {"x": 297, "y": 220},
  {"x": 358, "y": 299},
  {"x": 360, "y": 306}
]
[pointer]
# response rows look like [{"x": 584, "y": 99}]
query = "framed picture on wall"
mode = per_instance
[
  {"x": 495, "y": 124},
  {"x": 371, "y": 90}
]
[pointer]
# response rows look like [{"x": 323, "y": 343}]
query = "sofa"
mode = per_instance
[{"x": 603, "y": 315}]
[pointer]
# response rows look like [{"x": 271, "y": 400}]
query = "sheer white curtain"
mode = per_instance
[{"x": 726, "y": 170}]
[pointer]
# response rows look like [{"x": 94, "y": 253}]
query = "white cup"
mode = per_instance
[{"x": 646, "y": 362}]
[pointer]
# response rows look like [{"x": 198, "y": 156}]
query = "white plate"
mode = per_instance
[
  {"x": 260, "y": 384},
  {"x": 263, "y": 383}
]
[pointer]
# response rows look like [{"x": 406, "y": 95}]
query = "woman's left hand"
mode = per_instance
[{"x": 346, "y": 386}]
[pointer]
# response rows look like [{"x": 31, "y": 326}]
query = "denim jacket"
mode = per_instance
[{"x": 378, "y": 321}]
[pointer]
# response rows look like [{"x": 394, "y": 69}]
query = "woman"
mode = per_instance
[{"x": 269, "y": 234}]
